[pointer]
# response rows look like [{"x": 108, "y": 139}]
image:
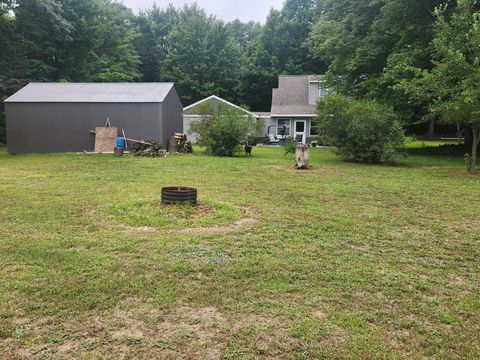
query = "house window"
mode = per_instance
[
  {"x": 313, "y": 127},
  {"x": 283, "y": 127}
]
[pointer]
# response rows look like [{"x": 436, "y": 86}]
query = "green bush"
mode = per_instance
[
  {"x": 361, "y": 130},
  {"x": 223, "y": 129},
  {"x": 290, "y": 146}
]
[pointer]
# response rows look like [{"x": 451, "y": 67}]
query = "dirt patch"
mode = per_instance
[
  {"x": 319, "y": 314},
  {"x": 467, "y": 174},
  {"x": 203, "y": 210},
  {"x": 146, "y": 229},
  {"x": 313, "y": 170},
  {"x": 408, "y": 232},
  {"x": 139, "y": 329},
  {"x": 241, "y": 224},
  {"x": 193, "y": 215}
]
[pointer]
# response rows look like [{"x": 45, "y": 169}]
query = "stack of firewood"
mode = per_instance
[
  {"x": 148, "y": 148},
  {"x": 179, "y": 143}
]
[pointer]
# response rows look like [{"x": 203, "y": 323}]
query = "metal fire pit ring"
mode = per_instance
[{"x": 179, "y": 195}]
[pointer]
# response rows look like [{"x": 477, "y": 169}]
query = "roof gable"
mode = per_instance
[
  {"x": 194, "y": 109},
  {"x": 292, "y": 95},
  {"x": 92, "y": 93}
]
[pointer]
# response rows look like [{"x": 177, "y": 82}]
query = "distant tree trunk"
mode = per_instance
[
  {"x": 459, "y": 133},
  {"x": 431, "y": 130},
  {"x": 475, "y": 142}
]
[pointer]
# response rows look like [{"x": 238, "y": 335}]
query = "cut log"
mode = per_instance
[{"x": 302, "y": 157}]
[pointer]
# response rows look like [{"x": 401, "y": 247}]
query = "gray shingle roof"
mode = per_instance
[
  {"x": 291, "y": 96},
  {"x": 92, "y": 92}
]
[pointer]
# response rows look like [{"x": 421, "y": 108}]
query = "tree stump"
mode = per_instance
[{"x": 302, "y": 157}]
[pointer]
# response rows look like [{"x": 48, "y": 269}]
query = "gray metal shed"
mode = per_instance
[{"x": 58, "y": 117}]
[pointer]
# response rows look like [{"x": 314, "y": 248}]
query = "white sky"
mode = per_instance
[{"x": 228, "y": 10}]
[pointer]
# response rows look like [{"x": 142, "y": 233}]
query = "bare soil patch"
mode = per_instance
[
  {"x": 241, "y": 224},
  {"x": 313, "y": 170}
]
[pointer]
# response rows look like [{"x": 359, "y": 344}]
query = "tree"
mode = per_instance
[
  {"x": 152, "y": 45},
  {"x": 280, "y": 48},
  {"x": 359, "y": 38},
  {"x": 453, "y": 82},
  {"x": 203, "y": 57},
  {"x": 223, "y": 129},
  {"x": 12, "y": 64},
  {"x": 361, "y": 130},
  {"x": 89, "y": 40}
]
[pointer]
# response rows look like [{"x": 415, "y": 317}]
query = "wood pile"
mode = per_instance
[
  {"x": 148, "y": 148},
  {"x": 179, "y": 143}
]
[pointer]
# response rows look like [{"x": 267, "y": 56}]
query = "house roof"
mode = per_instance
[
  {"x": 92, "y": 93},
  {"x": 214, "y": 100},
  {"x": 263, "y": 114},
  {"x": 292, "y": 97}
]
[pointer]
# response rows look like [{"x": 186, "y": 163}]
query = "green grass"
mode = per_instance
[
  {"x": 411, "y": 143},
  {"x": 343, "y": 261}
]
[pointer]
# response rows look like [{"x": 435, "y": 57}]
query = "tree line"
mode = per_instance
[{"x": 368, "y": 49}]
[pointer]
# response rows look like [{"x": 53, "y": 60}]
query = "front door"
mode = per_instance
[{"x": 301, "y": 131}]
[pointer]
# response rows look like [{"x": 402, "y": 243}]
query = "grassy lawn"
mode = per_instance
[
  {"x": 411, "y": 143},
  {"x": 343, "y": 261}
]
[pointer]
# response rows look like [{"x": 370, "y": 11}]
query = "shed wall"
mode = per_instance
[
  {"x": 65, "y": 127},
  {"x": 172, "y": 119},
  {"x": 187, "y": 119}
]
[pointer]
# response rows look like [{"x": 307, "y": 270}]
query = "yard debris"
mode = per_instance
[
  {"x": 178, "y": 143},
  {"x": 149, "y": 148},
  {"x": 105, "y": 139}
]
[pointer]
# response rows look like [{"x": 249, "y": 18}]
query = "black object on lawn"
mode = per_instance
[{"x": 177, "y": 195}]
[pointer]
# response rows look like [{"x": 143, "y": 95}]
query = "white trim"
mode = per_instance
[
  {"x": 304, "y": 133},
  {"x": 221, "y": 100}
]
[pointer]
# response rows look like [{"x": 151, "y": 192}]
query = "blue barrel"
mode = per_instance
[{"x": 120, "y": 144}]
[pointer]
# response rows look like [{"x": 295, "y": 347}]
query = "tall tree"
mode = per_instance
[
  {"x": 89, "y": 40},
  {"x": 360, "y": 37},
  {"x": 202, "y": 57},
  {"x": 280, "y": 48},
  {"x": 152, "y": 45},
  {"x": 12, "y": 64},
  {"x": 454, "y": 79}
]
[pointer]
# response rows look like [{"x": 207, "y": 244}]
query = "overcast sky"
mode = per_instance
[{"x": 228, "y": 10}]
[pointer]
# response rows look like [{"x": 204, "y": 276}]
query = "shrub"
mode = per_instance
[
  {"x": 222, "y": 129},
  {"x": 290, "y": 146},
  {"x": 361, "y": 130}
]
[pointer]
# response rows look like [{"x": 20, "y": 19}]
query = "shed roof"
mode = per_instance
[
  {"x": 291, "y": 96},
  {"x": 92, "y": 93}
]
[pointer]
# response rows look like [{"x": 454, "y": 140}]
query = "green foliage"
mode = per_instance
[
  {"x": 290, "y": 146},
  {"x": 451, "y": 88},
  {"x": 222, "y": 129},
  {"x": 90, "y": 40},
  {"x": 204, "y": 59},
  {"x": 361, "y": 130},
  {"x": 360, "y": 38},
  {"x": 372, "y": 49}
]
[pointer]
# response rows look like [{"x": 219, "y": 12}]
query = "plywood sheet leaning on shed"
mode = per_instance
[{"x": 105, "y": 138}]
